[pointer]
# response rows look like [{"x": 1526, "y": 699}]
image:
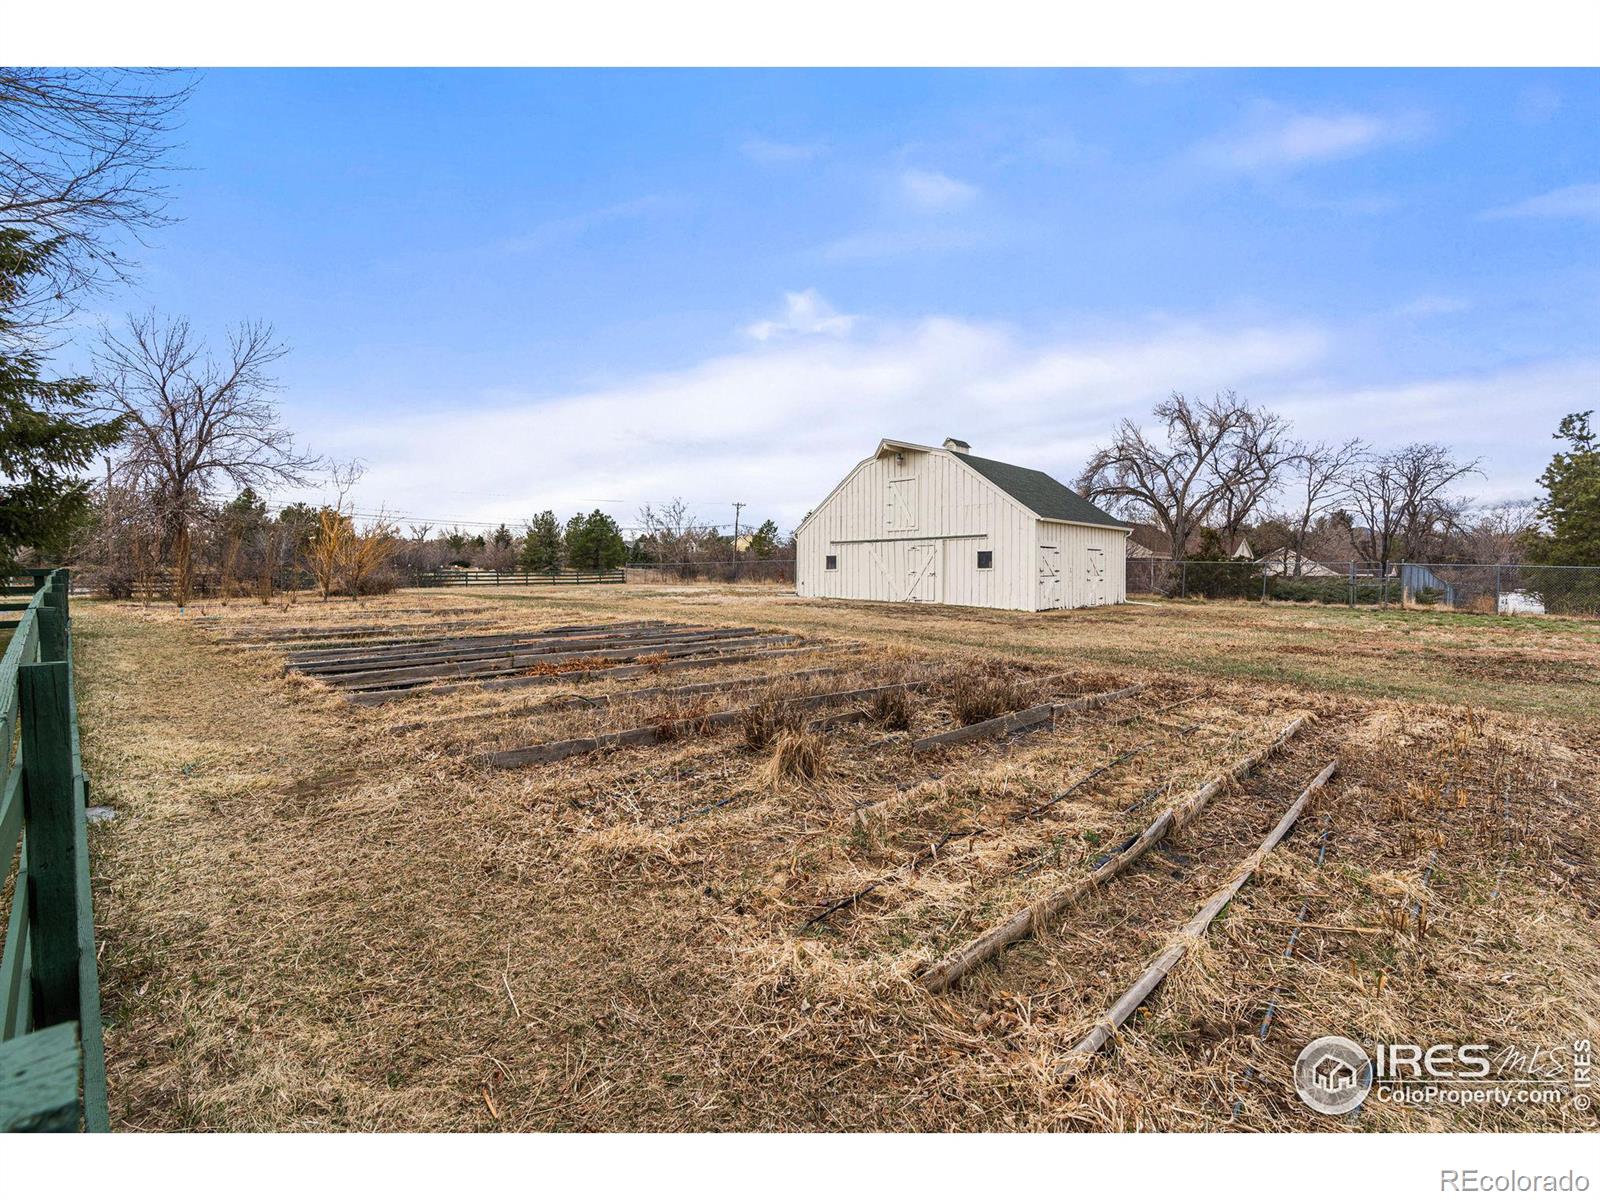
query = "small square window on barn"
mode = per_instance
[
  {"x": 985, "y": 560},
  {"x": 832, "y": 563}
]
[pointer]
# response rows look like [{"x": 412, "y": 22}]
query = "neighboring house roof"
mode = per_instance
[
  {"x": 1049, "y": 499},
  {"x": 1154, "y": 541},
  {"x": 1283, "y": 560}
]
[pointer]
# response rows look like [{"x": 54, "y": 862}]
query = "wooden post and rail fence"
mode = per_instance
[{"x": 52, "y": 1054}]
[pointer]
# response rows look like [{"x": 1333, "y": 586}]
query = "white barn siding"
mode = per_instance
[
  {"x": 1094, "y": 562},
  {"x": 880, "y": 552},
  {"x": 910, "y": 531}
]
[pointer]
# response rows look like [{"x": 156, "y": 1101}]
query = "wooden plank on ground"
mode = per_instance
[
  {"x": 607, "y": 699},
  {"x": 696, "y": 663},
  {"x": 649, "y": 735},
  {"x": 333, "y": 651},
  {"x": 1023, "y": 719},
  {"x": 1128, "y": 1003},
  {"x": 942, "y": 974},
  {"x": 516, "y": 663},
  {"x": 474, "y": 652}
]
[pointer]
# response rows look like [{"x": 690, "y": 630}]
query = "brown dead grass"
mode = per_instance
[{"x": 314, "y": 916}]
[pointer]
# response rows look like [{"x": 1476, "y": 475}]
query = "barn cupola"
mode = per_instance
[{"x": 957, "y": 445}]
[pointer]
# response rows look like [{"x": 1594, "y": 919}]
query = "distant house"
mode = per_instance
[
  {"x": 1242, "y": 550},
  {"x": 1285, "y": 561},
  {"x": 1147, "y": 541},
  {"x": 939, "y": 525}
]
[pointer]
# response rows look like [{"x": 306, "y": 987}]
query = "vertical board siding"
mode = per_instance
[{"x": 877, "y": 539}]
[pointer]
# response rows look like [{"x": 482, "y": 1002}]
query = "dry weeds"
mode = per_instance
[{"x": 315, "y": 916}]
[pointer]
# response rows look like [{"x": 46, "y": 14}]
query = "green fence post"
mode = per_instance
[
  {"x": 48, "y": 797},
  {"x": 52, "y": 634}
]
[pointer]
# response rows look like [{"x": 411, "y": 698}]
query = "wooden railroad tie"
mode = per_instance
[
  {"x": 1128, "y": 1003},
  {"x": 948, "y": 970},
  {"x": 649, "y": 735}
]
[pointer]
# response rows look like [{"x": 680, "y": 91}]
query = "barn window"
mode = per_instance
[
  {"x": 985, "y": 560},
  {"x": 832, "y": 563}
]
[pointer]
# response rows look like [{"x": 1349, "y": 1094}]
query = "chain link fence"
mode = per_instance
[{"x": 1509, "y": 589}]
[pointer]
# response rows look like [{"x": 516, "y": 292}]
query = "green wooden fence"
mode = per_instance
[{"x": 52, "y": 1055}]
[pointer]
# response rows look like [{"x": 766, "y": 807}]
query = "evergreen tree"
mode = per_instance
[
  {"x": 764, "y": 541},
  {"x": 542, "y": 545},
  {"x": 456, "y": 540},
  {"x": 245, "y": 514},
  {"x": 1571, "y": 506},
  {"x": 46, "y": 442},
  {"x": 299, "y": 524},
  {"x": 594, "y": 543}
]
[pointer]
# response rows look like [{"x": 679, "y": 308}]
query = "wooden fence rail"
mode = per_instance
[
  {"x": 52, "y": 1055},
  {"x": 512, "y": 578}
]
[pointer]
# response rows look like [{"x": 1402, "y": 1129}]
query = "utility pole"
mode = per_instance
[{"x": 737, "y": 505}]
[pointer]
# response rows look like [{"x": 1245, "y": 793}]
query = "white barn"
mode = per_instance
[{"x": 938, "y": 525}]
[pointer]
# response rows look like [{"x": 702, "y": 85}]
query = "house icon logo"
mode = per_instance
[{"x": 1333, "y": 1075}]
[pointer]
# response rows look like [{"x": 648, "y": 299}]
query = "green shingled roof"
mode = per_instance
[{"x": 1037, "y": 491}]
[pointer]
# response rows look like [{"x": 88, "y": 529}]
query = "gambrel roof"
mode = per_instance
[
  {"x": 1048, "y": 499},
  {"x": 1037, "y": 492}
]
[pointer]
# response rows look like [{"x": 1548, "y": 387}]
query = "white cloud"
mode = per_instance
[
  {"x": 559, "y": 230},
  {"x": 1277, "y": 140},
  {"x": 785, "y": 418},
  {"x": 913, "y": 239},
  {"x": 1471, "y": 413},
  {"x": 1432, "y": 305},
  {"x": 803, "y": 313},
  {"x": 769, "y": 152},
  {"x": 934, "y": 191},
  {"x": 1580, "y": 201},
  {"x": 780, "y": 421}
]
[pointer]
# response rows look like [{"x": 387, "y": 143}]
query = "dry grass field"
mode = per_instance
[{"x": 320, "y": 913}]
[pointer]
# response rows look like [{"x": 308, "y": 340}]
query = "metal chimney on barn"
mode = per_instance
[{"x": 957, "y": 445}]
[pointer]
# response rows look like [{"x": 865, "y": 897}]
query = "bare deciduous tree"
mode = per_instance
[
  {"x": 1248, "y": 470},
  {"x": 1177, "y": 482},
  {"x": 82, "y": 158},
  {"x": 1400, "y": 497},
  {"x": 673, "y": 534},
  {"x": 198, "y": 424},
  {"x": 1323, "y": 472}
]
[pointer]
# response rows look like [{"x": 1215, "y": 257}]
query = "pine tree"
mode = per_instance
[
  {"x": 1571, "y": 506},
  {"x": 45, "y": 441},
  {"x": 541, "y": 545},
  {"x": 594, "y": 543},
  {"x": 764, "y": 541}
]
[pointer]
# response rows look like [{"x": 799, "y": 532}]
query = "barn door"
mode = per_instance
[
  {"x": 1050, "y": 577},
  {"x": 922, "y": 572},
  {"x": 1094, "y": 590},
  {"x": 901, "y": 504}
]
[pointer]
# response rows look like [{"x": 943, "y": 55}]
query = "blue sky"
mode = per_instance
[{"x": 512, "y": 290}]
